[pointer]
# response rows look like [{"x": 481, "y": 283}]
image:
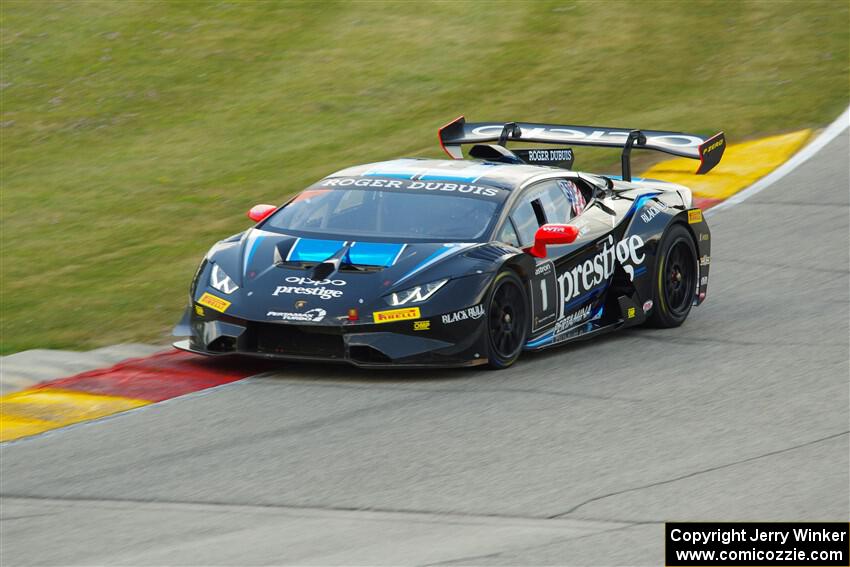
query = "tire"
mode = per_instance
[
  {"x": 675, "y": 278},
  {"x": 507, "y": 319}
]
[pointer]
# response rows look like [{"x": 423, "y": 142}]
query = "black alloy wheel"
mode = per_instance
[
  {"x": 507, "y": 319},
  {"x": 675, "y": 278}
]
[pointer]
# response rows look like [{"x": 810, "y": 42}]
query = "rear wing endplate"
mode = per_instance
[{"x": 707, "y": 150}]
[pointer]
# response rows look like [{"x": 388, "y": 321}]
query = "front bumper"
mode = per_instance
[{"x": 364, "y": 345}]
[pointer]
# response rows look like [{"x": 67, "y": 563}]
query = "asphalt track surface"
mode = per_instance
[{"x": 576, "y": 456}]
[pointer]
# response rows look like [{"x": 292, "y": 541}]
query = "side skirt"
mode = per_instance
[
  {"x": 579, "y": 336},
  {"x": 631, "y": 314}
]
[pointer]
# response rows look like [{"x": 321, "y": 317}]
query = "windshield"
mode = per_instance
[{"x": 386, "y": 214}]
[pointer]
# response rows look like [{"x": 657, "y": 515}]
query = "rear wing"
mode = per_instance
[{"x": 707, "y": 150}]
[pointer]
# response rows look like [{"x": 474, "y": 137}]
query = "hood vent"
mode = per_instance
[
  {"x": 342, "y": 256},
  {"x": 356, "y": 268},
  {"x": 330, "y": 265}
]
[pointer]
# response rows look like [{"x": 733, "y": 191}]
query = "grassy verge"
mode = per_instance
[{"x": 135, "y": 134}]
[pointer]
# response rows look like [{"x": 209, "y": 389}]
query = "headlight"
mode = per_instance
[
  {"x": 221, "y": 281},
  {"x": 416, "y": 294}
]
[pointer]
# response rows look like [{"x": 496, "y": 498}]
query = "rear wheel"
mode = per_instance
[
  {"x": 675, "y": 278},
  {"x": 507, "y": 319}
]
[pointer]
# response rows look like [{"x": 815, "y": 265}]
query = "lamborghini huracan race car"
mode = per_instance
[{"x": 423, "y": 262}]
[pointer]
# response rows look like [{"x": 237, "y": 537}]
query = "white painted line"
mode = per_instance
[{"x": 832, "y": 131}]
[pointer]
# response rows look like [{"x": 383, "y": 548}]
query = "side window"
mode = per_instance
[
  {"x": 555, "y": 203},
  {"x": 508, "y": 234},
  {"x": 525, "y": 219},
  {"x": 544, "y": 203}
]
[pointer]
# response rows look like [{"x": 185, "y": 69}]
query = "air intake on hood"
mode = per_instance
[{"x": 309, "y": 254}]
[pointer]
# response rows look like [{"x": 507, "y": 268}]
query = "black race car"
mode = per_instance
[{"x": 422, "y": 262}]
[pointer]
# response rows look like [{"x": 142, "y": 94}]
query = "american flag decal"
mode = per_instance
[{"x": 574, "y": 196}]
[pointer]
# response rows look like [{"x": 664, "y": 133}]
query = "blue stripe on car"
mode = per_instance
[
  {"x": 439, "y": 254},
  {"x": 374, "y": 253},
  {"x": 540, "y": 341},
  {"x": 640, "y": 201},
  {"x": 581, "y": 299},
  {"x": 254, "y": 243},
  {"x": 403, "y": 175},
  {"x": 359, "y": 253},
  {"x": 549, "y": 336},
  {"x": 443, "y": 177},
  {"x": 466, "y": 174},
  {"x": 313, "y": 250}
]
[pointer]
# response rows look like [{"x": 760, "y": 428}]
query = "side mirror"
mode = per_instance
[
  {"x": 552, "y": 234},
  {"x": 259, "y": 212}
]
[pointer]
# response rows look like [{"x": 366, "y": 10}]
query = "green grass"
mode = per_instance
[{"x": 136, "y": 133}]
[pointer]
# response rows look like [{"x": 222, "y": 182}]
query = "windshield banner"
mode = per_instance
[{"x": 408, "y": 185}]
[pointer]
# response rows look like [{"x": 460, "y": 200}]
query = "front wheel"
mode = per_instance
[
  {"x": 675, "y": 278},
  {"x": 507, "y": 319}
]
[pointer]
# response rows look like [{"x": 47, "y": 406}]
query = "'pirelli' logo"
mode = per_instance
[
  {"x": 213, "y": 302},
  {"x": 393, "y": 315}
]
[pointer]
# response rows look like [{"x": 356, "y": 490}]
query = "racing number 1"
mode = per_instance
[{"x": 543, "y": 296}]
